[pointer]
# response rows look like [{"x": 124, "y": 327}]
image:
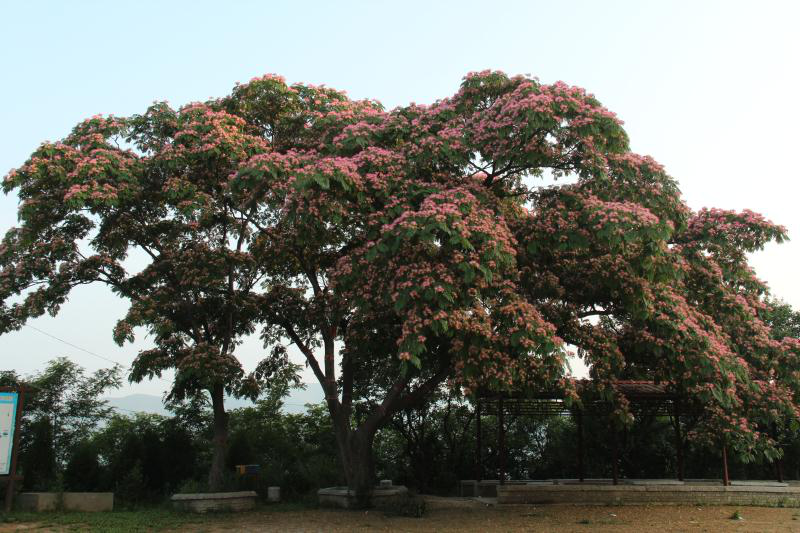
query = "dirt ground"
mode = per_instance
[
  {"x": 458, "y": 516},
  {"x": 550, "y": 518}
]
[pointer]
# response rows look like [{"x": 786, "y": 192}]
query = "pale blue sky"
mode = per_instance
[{"x": 707, "y": 88}]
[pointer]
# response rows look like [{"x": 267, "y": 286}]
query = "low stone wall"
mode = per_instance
[
  {"x": 346, "y": 499},
  {"x": 88, "y": 501},
  {"x": 215, "y": 501},
  {"x": 68, "y": 501},
  {"x": 763, "y": 493},
  {"x": 486, "y": 488},
  {"x": 38, "y": 501}
]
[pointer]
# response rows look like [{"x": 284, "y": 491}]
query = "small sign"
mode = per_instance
[
  {"x": 248, "y": 470},
  {"x": 8, "y": 418}
]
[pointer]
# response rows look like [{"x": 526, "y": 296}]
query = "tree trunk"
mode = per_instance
[
  {"x": 216, "y": 475},
  {"x": 355, "y": 452},
  {"x": 355, "y": 445}
]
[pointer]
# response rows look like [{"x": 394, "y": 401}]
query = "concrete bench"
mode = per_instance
[{"x": 68, "y": 501}]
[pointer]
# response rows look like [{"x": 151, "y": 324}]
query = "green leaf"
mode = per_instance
[{"x": 322, "y": 181}]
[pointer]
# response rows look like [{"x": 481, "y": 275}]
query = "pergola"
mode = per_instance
[{"x": 644, "y": 397}]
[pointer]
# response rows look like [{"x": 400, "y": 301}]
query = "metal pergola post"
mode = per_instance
[
  {"x": 779, "y": 460},
  {"x": 654, "y": 398},
  {"x": 726, "y": 480},
  {"x": 501, "y": 440},
  {"x": 579, "y": 422},
  {"x": 614, "y": 455},
  {"x": 678, "y": 439},
  {"x": 478, "y": 445}
]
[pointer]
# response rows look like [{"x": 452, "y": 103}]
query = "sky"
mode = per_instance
[{"x": 709, "y": 89}]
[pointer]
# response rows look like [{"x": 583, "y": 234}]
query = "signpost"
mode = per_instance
[
  {"x": 8, "y": 419},
  {"x": 11, "y": 401}
]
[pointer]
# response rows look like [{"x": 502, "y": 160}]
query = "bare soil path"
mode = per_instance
[
  {"x": 549, "y": 518},
  {"x": 444, "y": 515}
]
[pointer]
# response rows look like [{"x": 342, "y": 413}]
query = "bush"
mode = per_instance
[
  {"x": 83, "y": 472},
  {"x": 38, "y": 460},
  {"x": 130, "y": 488},
  {"x": 410, "y": 505}
]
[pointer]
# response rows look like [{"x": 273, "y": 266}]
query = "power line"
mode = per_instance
[
  {"x": 76, "y": 346},
  {"x": 126, "y": 367},
  {"x": 84, "y": 350},
  {"x": 109, "y": 360}
]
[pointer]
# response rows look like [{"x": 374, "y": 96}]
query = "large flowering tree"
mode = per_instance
[
  {"x": 401, "y": 250},
  {"x": 422, "y": 242},
  {"x": 139, "y": 204}
]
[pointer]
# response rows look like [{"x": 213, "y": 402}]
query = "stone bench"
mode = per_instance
[
  {"x": 343, "y": 497},
  {"x": 203, "y": 502}
]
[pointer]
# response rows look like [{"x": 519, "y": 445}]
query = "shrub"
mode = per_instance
[{"x": 83, "y": 472}]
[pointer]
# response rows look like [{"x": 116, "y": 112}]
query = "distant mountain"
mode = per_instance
[
  {"x": 150, "y": 403},
  {"x": 138, "y": 403}
]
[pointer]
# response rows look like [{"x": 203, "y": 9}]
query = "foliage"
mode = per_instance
[
  {"x": 430, "y": 447},
  {"x": 419, "y": 239},
  {"x": 418, "y": 245},
  {"x": 70, "y": 401},
  {"x": 147, "y": 456},
  {"x": 782, "y": 319},
  {"x": 150, "y": 186},
  {"x": 294, "y": 450},
  {"x": 37, "y": 455},
  {"x": 61, "y": 411},
  {"x": 82, "y": 472}
]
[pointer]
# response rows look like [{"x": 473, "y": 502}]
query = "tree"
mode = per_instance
[
  {"x": 782, "y": 319},
  {"x": 83, "y": 472},
  {"x": 62, "y": 410},
  {"x": 149, "y": 189},
  {"x": 416, "y": 247},
  {"x": 365, "y": 230},
  {"x": 420, "y": 241},
  {"x": 147, "y": 456},
  {"x": 70, "y": 401}
]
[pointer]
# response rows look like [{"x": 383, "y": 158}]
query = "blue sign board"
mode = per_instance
[{"x": 8, "y": 419}]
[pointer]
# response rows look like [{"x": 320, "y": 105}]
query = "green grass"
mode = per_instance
[
  {"x": 139, "y": 520},
  {"x": 147, "y": 519}
]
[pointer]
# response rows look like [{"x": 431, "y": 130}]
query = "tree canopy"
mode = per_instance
[{"x": 146, "y": 194}]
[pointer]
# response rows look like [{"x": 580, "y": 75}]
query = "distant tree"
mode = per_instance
[
  {"x": 37, "y": 455},
  {"x": 431, "y": 446},
  {"x": 63, "y": 408},
  {"x": 70, "y": 402},
  {"x": 782, "y": 319},
  {"x": 148, "y": 455},
  {"x": 83, "y": 472}
]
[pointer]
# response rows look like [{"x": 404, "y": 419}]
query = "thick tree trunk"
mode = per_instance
[
  {"x": 355, "y": 445},
  {"x": 355, "y": 452},
  {"x": 216, "y": 475}
]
